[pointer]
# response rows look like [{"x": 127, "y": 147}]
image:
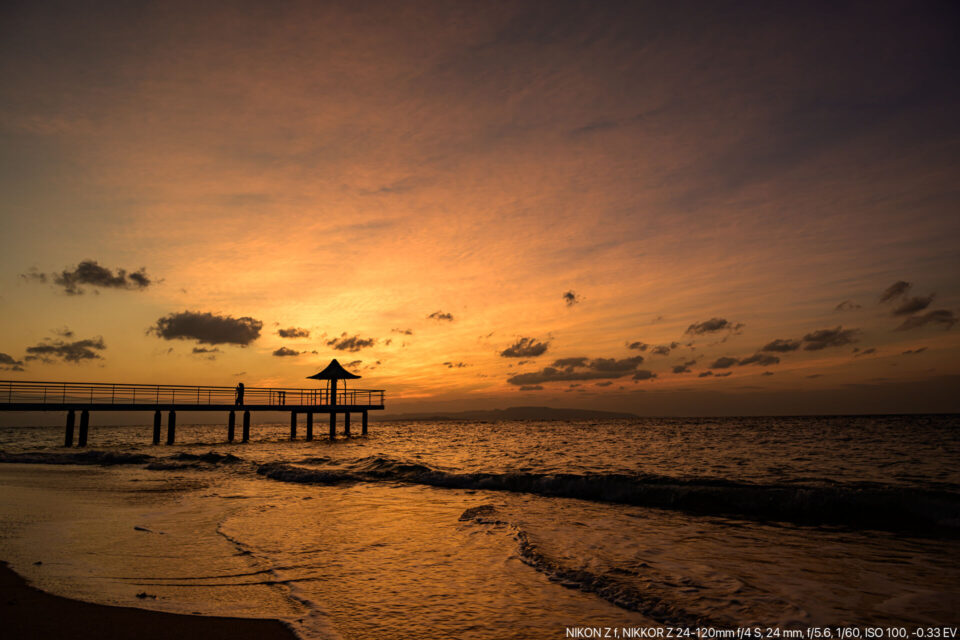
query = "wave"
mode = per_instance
[
  {"x": 102, "y": 458},
  {"x": 607, "y": 585},
  {"x": 858, "y": 505}
]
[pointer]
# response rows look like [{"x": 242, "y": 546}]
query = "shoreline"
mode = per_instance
[{"x": 28, "y": 612}]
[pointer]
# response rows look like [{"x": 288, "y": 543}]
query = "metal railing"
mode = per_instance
[{"x": 56, "y": 393}]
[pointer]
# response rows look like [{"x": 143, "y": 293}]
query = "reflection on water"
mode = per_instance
[{"x": 459, "y": 530}]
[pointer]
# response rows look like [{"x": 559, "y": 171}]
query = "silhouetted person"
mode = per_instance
[{"x": 240, "y": 394}]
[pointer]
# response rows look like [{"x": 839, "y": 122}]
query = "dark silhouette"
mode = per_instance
[{"x": 240, "y": 394}]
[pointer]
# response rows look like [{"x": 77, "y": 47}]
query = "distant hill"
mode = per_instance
[{"x": 517, "y": 413}]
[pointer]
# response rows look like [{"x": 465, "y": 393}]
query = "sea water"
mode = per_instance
[{"x": 451, "y": 529}]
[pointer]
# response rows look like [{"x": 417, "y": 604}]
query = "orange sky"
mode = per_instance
[{"x": 352, "y": 168}]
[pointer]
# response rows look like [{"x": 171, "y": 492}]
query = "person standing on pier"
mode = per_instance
[{"x": 240, "y": 394}]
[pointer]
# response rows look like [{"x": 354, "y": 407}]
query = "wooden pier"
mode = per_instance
[{"x": 87, "y": 397}]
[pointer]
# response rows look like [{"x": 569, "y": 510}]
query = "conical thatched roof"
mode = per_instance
[{"x": 334, "y": 371}]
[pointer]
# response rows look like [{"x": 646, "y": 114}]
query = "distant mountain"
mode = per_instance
[{"x": 517, "y": 413}]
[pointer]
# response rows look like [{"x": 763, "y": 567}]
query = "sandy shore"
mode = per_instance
[{"x": 26, "y": 612}]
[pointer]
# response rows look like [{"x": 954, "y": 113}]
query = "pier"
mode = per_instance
[{"x": 84, "y": 398}]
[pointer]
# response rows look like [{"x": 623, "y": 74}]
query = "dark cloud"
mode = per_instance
[
  {"x": 705, "y": 374},
  {"x": 355, "y": 363},
  {"x": 824, "y": 338},
  {"x": 940, "y": 316},
  {"x": 767, "y": 373},
  {"x": 864, "y": 352},
  {"x": 406, "y": 332},
  {"x": 664, "y": 349},
  {"x": 681, "y": 368},
  {"x": 439, "y": 315},
  {"x": 92, "y": 274},
  {"x": 712, "y": 326},
  {"x": 293, "y": 332},
  {"x": 64, "y": 332},
  {"x": 532, "y": 387},
  {"x": 525, "y": 348},
  {"x": 350, "y": 343},
  {"x": 781, "y": 346},
  {"x": 205, "y": 350},
  {"x": 571, "y": 298},
  {"x": 723, "y": 375},
  {"x": 76, "y": 351},
  {"x": 914, "y": 351},
  {"x": 9, "y": 363},
  {"x": 912, "y": 305},
  {"x": 284, "y": 352},
  {"x": 724, "y": 362},
  {"x": 638, "y": 346},
  {"x": 605, "y": 383},
  {"x": 207, "y": 328},
  {"x": 895, "y": 290},
  {"x": 574, "y": 369},
  {"x": 455, "y": 365},
  {"x": 644, "y": 374},
  {"x": 761, "y": 359},
  {"x": 847, "y": 305}
]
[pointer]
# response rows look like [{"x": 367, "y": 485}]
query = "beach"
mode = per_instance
[{"x": 485, "y": 530}]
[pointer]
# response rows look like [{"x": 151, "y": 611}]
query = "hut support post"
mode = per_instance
[
  {"x": 246, "y": 426},
  {"x": 171, "y": 427},
  {"x": 346, "y": 424},
  {"x": 309, "y": 425},
  {"x": 333, "y": 424},
  {"x": 68, "y": 435},
  {"x": 231, "y": 426},
  {"x": 363, "y": 422},
  {"x": 293, "y": 425},
  {"x": 157, "y": 419},
  {"x": 84, "y": 425}
]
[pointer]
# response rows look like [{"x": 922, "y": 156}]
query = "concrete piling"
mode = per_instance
[
  {"x": 246, "y": 426},
  {"x": 84, "y": 425},
  {"x": 157, "y": 418},
  {"x": 309, "y": 425},
  {"x": 68, "y": 435},
  {"x": 231, "y": 426},
  {"x": 171, "y": 427}
]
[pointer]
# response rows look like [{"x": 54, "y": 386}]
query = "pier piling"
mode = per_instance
[
  {"x": 246, "y": 426},
  {"x": 363, "y": 423},
  {"x": 333, "y": 424},
  {"x": 309, "y": 425},
  {"x": 84, "y": 424},
  {"x": 231, "y": 426},
  {"x": 171, "y": 427},
  {"x": 293, "y": 425},
  {"x": 346, "y": 424},
  {"x": 68, "y": 436},
  {"x": 157, "y": 418}
]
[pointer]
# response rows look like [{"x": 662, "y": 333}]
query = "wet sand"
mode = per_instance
[{"x": 26, "y": 612}]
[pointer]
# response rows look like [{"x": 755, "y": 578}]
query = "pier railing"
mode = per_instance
[{"x": 147, "y": 395}]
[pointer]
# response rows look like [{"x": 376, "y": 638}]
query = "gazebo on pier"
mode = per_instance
[{"x": 340, "y": 398}]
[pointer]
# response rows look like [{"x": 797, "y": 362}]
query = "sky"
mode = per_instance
[{"x": 683, "y": 208}]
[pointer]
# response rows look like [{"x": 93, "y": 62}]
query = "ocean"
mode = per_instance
[{"x": 445, "y": 529}]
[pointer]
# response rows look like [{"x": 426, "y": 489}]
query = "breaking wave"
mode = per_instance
[{"x": 855, "y": 504}]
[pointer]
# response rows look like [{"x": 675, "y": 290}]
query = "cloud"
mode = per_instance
[
  {"x": 571, "y": 298},
  {"x": 76, "y": 351},
  {"x": 207, "y": 328},
  {"x": 9, "y": 363},
  {"x": 712, "y": 326},
  {"x": 284, "y": 352},
  {"x": 205, "y": 350},
  {"x": 406, "y": 332},
  {"x": 895, "y": 290},
  {"x": 644, "y": 374},
  {"x": 664, "y": 349},
  {"x": 574, "y": 369},
  {"x": 532, "y": 387},
  {"x": 525, "y": 348},
  {"x": 724, "y": 362},
  {"x": 781, "y": 346},
  {"x": 940, "y": 316},
  {"x": 705, "y": 374},
  {"x": 912, "y": 305},
  {"x": 723, "y": 375},
  {"x": 350, "y": 343},
  {"x": 455, "y": 365},
  {"x": 913, "y": 351},
  {"x": 355, "y": 363},
  {"x": 815, "y": 375},
  {"x": 847, "y": 305},
  {"x": 767, "y": 373},
  {"x": 824, "y": 338},
  {"x": 91, "y": 273},
  {"x": 865, "y": 352},
  {"x": 761, "y": 359},
  {"x": 439, "y": 315},
  {"x": 681, "y": 368},
  {"x": 293, "y": 332},
  {"x": 638, "y": 346},
  {"x": 605, "y": 383}
]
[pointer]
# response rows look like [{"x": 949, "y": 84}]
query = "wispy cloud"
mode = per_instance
[{"x": 525, "y": 348}]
